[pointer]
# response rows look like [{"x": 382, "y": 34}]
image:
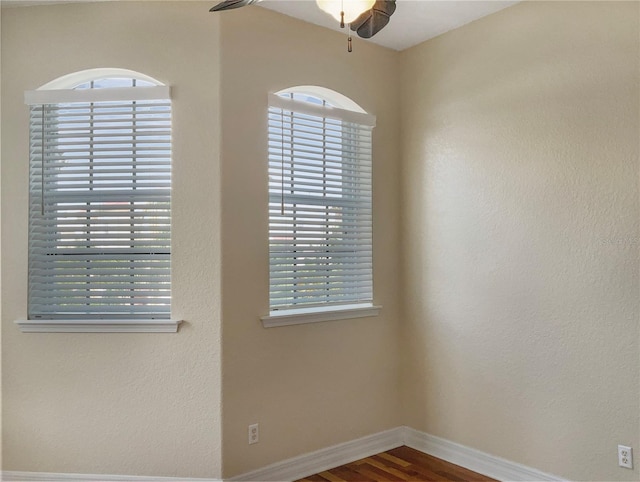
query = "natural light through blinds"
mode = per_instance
[
  {"x": 100, "y": 202},
  {"x": 320, "y": 219}
]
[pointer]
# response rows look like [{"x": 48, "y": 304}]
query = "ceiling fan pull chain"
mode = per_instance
[
  {"x": 342, "y": 14},
  {"x": 349, "y": 39}
]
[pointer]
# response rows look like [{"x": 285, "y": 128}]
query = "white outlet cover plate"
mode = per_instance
[
  {"x": 254, "y": 434},
  {"x": 625, "y": 456}
]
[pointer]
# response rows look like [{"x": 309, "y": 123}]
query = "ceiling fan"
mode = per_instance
[{"x": 365, "y": 17}]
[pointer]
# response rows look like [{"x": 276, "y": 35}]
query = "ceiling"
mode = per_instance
[{"x": 413, "y": 22}]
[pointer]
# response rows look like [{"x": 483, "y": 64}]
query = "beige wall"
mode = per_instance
[
  {"x": 308, "y": 386},
  {"x": 144, "y": 404},
  {"x": 520, "y": 212},
  {"x": 520, "y": 209},
  {"x": 153, "y": 407}
]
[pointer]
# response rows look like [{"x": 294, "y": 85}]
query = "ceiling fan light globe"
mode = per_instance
[{"x": 352, "y": 8}]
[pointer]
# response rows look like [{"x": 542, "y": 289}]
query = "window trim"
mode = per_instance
[
  {"x": 300, "y": 316},
  {"x": 61, "y": 90},
  {"x": 99, "y": 326},
  {"x": 61, "y": 96},
  {"x": 343, "y": 109}
]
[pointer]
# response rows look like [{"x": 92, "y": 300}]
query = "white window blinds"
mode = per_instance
[
  {"x": 320, "y": 220},
  {"x": 100, "y": 204}
]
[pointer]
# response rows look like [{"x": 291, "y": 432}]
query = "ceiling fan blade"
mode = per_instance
[
  {"x": 372, "y": 21},
  {"x": 230, "y": 4}
]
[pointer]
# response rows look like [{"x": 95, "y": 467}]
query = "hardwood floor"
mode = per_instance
[{"x": 401, "y": 464}]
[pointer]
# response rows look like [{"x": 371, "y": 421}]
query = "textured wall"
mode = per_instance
[
  {"x": 521, "y": 236},
  {"x": 309, "y": 386},
  {"x": 520, "y": 212},
  {"x": 144, "y": 404}
]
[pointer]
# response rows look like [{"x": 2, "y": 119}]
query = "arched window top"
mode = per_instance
[
  {"x": 96, "y": 85},
  {"x": 101, "y": 78},
  {"x": 314, "y": 94},
  {"x": 320, "y": 101}
]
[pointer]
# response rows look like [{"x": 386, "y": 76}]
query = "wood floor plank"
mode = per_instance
[
  {"x": 350, "y": 475},
  {"x": 376, "y": 474},
  {"x": 402, "y": 464},
  {"x": 391, "y": 458},
  {"x": 316, "y": 478},
  {"x": 388, "y": 468},
  {"x": 331, "y": 477}
]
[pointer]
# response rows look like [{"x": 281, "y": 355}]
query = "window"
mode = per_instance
[
  {"x": 320, "y": 217},
  {"x": 100, "y": 206}
]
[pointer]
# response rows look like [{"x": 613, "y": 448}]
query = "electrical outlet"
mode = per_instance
[
  {"x": 254, "y": 434},
  {"x": 625, "y": 456}
]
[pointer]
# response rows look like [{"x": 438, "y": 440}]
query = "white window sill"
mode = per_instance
[
  {"x": 313, "y": 315},
  {"x": 98, "y": 326}
]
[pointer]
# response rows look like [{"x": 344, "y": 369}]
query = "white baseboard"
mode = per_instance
[
  {"x": 325, "y": 459},
  {"x": 336, "y": 455},
  {"x": 330, "y": 457},
  {"x": 14, "y": 476},
  {"x": 473, "y": 459}
]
